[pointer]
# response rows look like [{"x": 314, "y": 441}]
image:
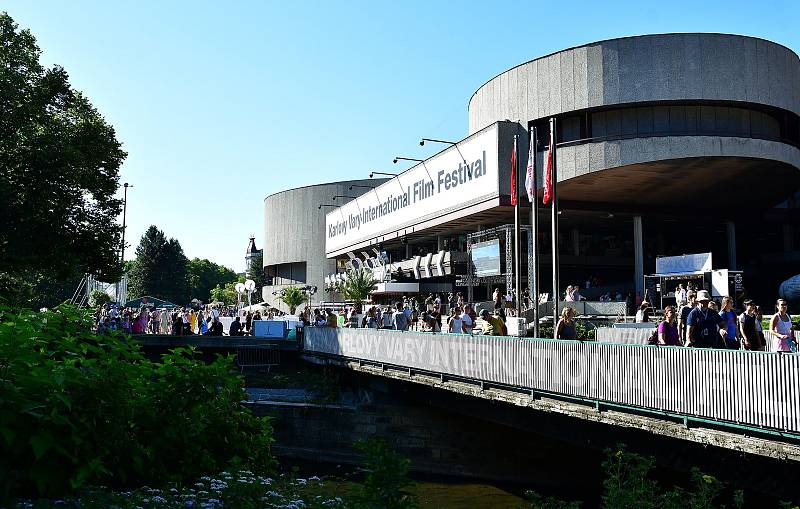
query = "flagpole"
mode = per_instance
[
  {"x": 534, "y": 290},
  {"x": 554, "y": 222},
  {"x": 517, "y": 250}
]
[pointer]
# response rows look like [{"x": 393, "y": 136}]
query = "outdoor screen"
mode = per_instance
[{"x": 486, "y": 258}]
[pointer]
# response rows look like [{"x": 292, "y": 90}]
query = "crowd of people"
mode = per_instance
[
  {"x": 698, "y": 321},
  {"x": 695, "y": 321},
  {"x": 203, "y": 320},
  {"x": 431, "y": 314}
]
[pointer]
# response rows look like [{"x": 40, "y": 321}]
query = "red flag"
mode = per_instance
[
  {"x": 548, "y": 176},
  {"x": 514, "y": 174}
]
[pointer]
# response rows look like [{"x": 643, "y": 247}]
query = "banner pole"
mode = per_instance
[
  {"x": 534, "y": 289},
  {"x": 517, "y": 250},
  {"x": 554, "y": 222}
]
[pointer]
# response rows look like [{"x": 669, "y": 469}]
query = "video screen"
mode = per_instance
[{"x": 486, "y": 258}]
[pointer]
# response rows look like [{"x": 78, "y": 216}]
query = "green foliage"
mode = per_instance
[
  {"x": 79, "y": 409},
  {"x": 59, "y": 164},
  {"x": 203, "y": 276},
  {"x": 159, "y": 269},
  {"x": 357, "y": 285},
  {"x": 98, "y": 298},
  {"x": 628, "y": 485},
  {"x": 226, "y": 294},
  {"x": 292, "y": 296},
  {"x": 386, "y": 481},
  {"x": 536, "y": 501},
  {"x": 256, "y": 272}
]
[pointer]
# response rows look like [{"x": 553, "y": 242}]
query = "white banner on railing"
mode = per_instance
[{"x": 710, "y": 384}]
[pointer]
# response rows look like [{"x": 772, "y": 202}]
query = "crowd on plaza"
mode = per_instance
[
  {"x": 203, "y": 320},
  {"x": 695, "y": 321}
]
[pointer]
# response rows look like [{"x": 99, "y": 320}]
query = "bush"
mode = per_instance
[
  {"x": 79, "y": 409},
  {"x": 386, "y": 481}
]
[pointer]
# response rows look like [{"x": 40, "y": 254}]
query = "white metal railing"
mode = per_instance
[{"x": 760, "y": 389}]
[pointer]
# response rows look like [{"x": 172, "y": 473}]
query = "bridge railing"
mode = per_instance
[{"x": 758, "y": 389}]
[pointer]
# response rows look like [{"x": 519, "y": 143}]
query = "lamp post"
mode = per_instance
[
  {"x": 125, "y": 187},
  {"x": 433, "y": 140},
  {"x": 343, "y": 196}
]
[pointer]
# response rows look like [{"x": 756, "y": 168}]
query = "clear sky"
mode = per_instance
[{"x": 220, "y": 104}]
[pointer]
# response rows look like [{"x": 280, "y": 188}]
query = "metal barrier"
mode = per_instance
[
  {"x": 760, "y": 389},
  {"x": 257, "y": 355}
]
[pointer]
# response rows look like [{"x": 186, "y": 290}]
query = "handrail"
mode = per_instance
[{"x": 696, "y": 383}]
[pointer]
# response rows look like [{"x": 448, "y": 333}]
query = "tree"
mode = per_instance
[
  {"x": 225, "y": 294},
  {"x": 159, "y": 269},
  {"x": 292, "y": 296},
  {"x": 256, "y": 273},
  {"x": 204, "y": 276},
  {"x": 357, "y": 285},
  {"x": 59, "y": 164},
  {"x": 98, "y": 298}
]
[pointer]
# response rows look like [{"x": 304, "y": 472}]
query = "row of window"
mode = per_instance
[{"x": 674, "y": 120}]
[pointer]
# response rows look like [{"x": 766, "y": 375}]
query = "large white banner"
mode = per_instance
[
  {"x": 454, "y": 179},
  {"x": 684, "y": 264}
]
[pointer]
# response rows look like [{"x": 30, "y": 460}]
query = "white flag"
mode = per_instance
[{"x": 530, "y": 177}]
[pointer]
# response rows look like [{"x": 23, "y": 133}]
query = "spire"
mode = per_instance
[{"x": 251, "y": 247}]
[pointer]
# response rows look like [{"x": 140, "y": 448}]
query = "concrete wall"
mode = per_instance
[
  {"x": 668, "y": 67},
  {"x": 294, "y": 230}
]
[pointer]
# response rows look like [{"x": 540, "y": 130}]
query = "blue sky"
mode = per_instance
[{"x": 220, "y": 104}]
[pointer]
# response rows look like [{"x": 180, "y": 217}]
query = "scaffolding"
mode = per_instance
[{"x": 506, "y": 234}]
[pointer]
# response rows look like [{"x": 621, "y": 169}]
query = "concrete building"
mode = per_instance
[
  {"x": 666, "y": 144},
  {"x": 294, "y": 235}
]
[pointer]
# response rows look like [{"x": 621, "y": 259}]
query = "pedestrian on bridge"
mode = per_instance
[
  {"x": 706, "y": 328},
  {"x": 566, "y": 327}
]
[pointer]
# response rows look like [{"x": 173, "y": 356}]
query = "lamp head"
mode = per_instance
[
  {"x": 350, "y": 188},
  {"x": 395, "y": 160},
  {"x": 319, "y": 207},
  {"x": 421, "y": 143},
  {"x": 334, "y": 198},
  {"x": 371, "y": 174}
]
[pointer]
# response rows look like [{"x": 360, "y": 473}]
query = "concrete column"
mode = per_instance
[
  {"x": 576, "y": 241},
  {"x": 439, "y": 243},
  {"x": 788, "y": 238},
  {"x": 638, "y": 255},
  {"x": 408, "y": 251},
  {"x": 731, "y": 226}
]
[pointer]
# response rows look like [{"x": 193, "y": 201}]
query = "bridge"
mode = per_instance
[{"x": 748, "y": 402}]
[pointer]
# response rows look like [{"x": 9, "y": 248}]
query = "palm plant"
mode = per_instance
[
  {"x": 357, "y": 285},
  {"x": 292, "y": 296}
]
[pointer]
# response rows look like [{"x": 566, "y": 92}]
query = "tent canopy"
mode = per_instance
[{"x": 149, "y": 301}]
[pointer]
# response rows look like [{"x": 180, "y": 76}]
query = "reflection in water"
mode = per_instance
[{"x": 465, "y": 496}]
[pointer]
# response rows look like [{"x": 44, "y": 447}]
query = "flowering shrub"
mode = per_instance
[
  {"x": 83, "y": 409},
  {"x": 240, "y": 490}
]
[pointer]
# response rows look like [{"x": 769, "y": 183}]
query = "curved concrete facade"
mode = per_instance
[
  {"x": 650, "y": 68},
  {"x": 294, "y": 235}
]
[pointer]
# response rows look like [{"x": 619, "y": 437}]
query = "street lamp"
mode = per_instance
[
  {"x": 326, "y": 205},
  {"x": 398, "y": 158},
  {"x": 382, "y": 173},
  {"x": 433, "y": 140},
  {"x": 343, "y": 196},
  {"x": 358, "y": 185}
]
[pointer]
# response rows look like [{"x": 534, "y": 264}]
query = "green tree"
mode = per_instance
[
  {"x": 204, "y": 276},
  {"x": 256, "y": 272},
  {"x": 59, "y": 164},
  {"x": 292, "y": 296},
  {"x": 159, "y": 269},
  {"x": 98, "y": 298},
  {"x": 357, "y": 285},
  {"x": 225, "y": 294}
]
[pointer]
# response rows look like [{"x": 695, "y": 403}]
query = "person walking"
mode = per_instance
[
  {"x": 684, "y": 315},
  {"x": 781, "y": 328},
  {"x": 727, "y": 314},
  {"x": 566, "y": 327},
  {"x": 454, "y": 322},
  {"x": 747, "y": 327},
  {"x": 668, "y": 330},
  {"x": 705, "y": 327},
  {"x": 643, "y": 314}
]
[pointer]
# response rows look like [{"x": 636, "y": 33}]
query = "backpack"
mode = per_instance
[{"x": 653, "y": 339}]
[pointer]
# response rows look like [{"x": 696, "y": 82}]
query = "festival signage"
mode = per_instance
[{"x": 454, "y": 179}]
